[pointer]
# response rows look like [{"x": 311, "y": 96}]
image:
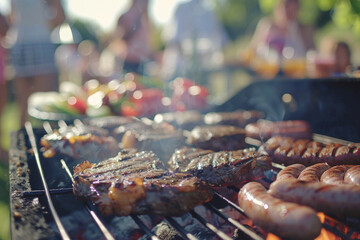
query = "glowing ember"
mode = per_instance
[{"x": 271, "y": 236}]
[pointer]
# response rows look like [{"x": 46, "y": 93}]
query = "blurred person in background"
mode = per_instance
[
  {"x": 342, "y": 55},
  {"x": 3, "y": 85},
  {"x": 194, "y": 39},
  {"x": 282, "y": 37},
  {"x": 332, "y": 60},
  {"x": 32, "y": 53},
  {"x": 132, "y": 37}
]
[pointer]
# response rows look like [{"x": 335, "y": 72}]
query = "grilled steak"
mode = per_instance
[
  {"x": 217, "y": 138},
  {"x": 221, "y": 168},
  {"x": 136, "y": 183},
  {"x": 162, "y": 139},
  {"x": 80, "y": 143},
  {"x": 237, "y": 118},
  {"x": 185, "y": 120},
  {"x": 266, "y": 129},
  {"x": 182, "y": 157},
  {"x": 288, "y": 151}
]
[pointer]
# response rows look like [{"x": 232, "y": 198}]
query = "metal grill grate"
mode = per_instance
[{"x": 245, "y": 229}]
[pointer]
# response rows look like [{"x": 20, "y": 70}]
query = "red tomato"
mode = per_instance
[
  {"x": 128, "y": 109},
  {"x": 77, "y": 104}
]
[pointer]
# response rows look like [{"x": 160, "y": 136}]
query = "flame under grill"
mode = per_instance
[{"x": 32, "y": 214}]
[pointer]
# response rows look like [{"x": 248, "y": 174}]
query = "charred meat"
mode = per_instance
[
  {"x": 162, "y": 139},
  {"x": 217, "y": 137},
  {"x": 220, "y": 168},
  {"x": 136, "y": 183},
  {"x": 182, "y": 157},
  {"x": 79, "y": 143}
]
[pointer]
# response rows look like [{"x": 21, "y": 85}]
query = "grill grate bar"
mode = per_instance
[
  {"x": 334, "y": 231},
  {"x": 234, "y": 222},
  {"x": 327, "y": 139},
  {"x": 67, "y": 170},
  {"x": 47, "y": 127},
  {"x": 144, "y": 227},
  {"x": 62, "y": 124},
  {"x": 180, "y": 229},
  {"x": 98, "y": 222},
  {"x": 349, "y": 234},
  {"x": 78, "y": 123},
  {"x": 233, "y": 205},
  {"x": 278, "y": 166},
  {"x": 58, "y": 223},
  {"x": 253, "y": 141},
  {"x": 172, "y": 221},
  {"x": 221, "y": 234},
  {"x": 35, "y": 193},
  {"x": 101, "y": 226}
]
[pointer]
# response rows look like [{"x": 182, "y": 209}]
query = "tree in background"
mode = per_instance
[
  {"x": 241, "y": 17},
  {"x": 345, "y": 13}
]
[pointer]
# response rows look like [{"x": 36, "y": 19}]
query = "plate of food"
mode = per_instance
[{"x": 120, "y": 97}]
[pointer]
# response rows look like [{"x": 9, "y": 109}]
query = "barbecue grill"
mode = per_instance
[{"x": 43, "y": 206}]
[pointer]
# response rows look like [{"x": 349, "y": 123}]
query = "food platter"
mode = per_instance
[
  {"x": 119, "y": 97},
  {"x": 37, "y": 108}
]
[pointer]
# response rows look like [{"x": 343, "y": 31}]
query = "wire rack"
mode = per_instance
[{"x": 335, "y": 226}]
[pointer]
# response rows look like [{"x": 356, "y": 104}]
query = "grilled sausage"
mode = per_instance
[
  {"x": 290, "y": 172},
  {"x": 288, "y": 220},
  {"x": 266, "y": 129},
  {"x": 313, "y": 173},
  {"x": 288, "y": 151},
  {"x": 331, "y": 199},
  {"x": 353, "y": 175},
  {"x": 335, "y": 175}
]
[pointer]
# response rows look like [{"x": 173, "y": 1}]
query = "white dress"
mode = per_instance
[{"x": 32, "y": 53}]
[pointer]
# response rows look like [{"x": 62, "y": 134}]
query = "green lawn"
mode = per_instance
[{"x": 9, "y": 123}]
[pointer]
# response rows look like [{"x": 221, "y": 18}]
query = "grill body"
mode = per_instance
[{"x": 328, "y": 105}]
